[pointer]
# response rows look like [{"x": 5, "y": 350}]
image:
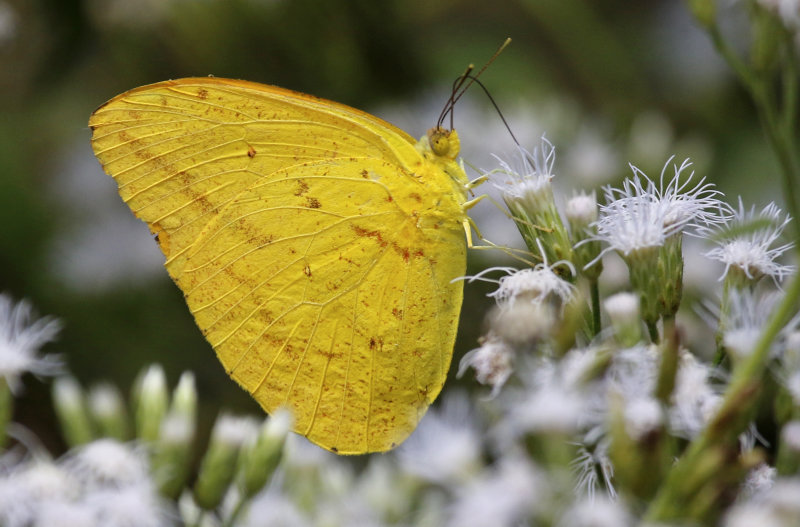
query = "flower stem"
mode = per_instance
[
  {"x": 595, "y": 292},
  {"x": 652, "y": 329},
  {"x": 779, "y": 126},
  {"x": 717, "y": 443}
]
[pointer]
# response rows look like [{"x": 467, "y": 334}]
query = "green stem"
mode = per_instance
[
  {"x": 669, "y": 361},
  {"x": 790, "y": 80},
  {"x": 237, "y": 510},
  {"x": 6, "y": 410},
  {"x": 652, "y": 329},
  {"x": 780, "y": 133},
  {"x": 730, "y": 420},
  {"x": 595, "y": 292}
]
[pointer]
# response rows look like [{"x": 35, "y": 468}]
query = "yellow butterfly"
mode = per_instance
[{"x": 315, "y": 245}]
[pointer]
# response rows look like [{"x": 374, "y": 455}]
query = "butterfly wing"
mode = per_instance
[{"x": 315, "y": 245}]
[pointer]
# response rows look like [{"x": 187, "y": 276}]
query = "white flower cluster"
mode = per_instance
[{"x": 104, "y": 483}]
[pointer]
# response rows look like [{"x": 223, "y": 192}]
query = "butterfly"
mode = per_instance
[{"x": 315, "y": 245}]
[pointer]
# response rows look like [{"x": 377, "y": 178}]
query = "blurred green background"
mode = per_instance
[{"x": 609, "y": 82}]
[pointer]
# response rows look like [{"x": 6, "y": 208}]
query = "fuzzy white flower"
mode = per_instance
[
  {"x": 492, "y": 363},
  {"x": 694, "y": 398},
  {"x": 273, "y": 507},
  {"x": 235, "y": 431},
  {"x": 538, "y": 285},
  {"x": 759, "y": 482},
  {"x": 642, "y": 415},
  {"x": 554, "y": 399},
  {"x": 633, "y": 372},
  {"x": 532, "y": 175},
  {"x": 747, "y": 316},
  {"x": 581, "y": 209},
  {"x": 65, "y": 514},
  {"x": 593, "y": 470},
  {"x": 790, "y": 436},
  {"x": 601, "y": 511},
  {"x": 136, "y": 505},
  {"x": 747, "y": 242},
  {"x": 502, "y": 496},
  {"x": 622, "y": 307},
  {"x": 105, "y": 400},
  {"x": 446, "y": 447},
  {"x": 27, "y": 486},
  {"x": 778, "y": 508},
  {"x": 21, "y": 336},
  {"x": 643, "y": 215},
  {"x": 107, "y": 463}
]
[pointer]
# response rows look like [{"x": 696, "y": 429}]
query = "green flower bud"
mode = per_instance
[
  {"x": 150, "y": 403},
  {"x": 70, "y": 407},
  {"x": 172, "y": 452},
  {"x": 108, "y": 412},
  {"x": 261, "y": 457},
  {"x": 623, "y": 311},
  {"x": 581, "y": 212},
  {"x": 219, "y": 463}
]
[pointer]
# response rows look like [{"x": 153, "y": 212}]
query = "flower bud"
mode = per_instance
[{"x": 70, "y": 407}]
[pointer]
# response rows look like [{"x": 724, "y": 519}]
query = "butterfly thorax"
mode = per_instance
[{"x": 442, "y": 190}]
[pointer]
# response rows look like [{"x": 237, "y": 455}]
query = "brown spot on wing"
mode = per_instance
[
  {"x": 360, "y": 231},
  {"x": 312, "y": 203},
  {"x": 302, "y": 188}
]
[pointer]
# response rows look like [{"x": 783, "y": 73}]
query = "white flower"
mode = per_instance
[
  {"x": 748, "y": 314},
  {"x": 538, "y": 285},
  {"x": 21, "y": 336},
  {"x": 581, "y": 209},
  {"x": 533, "y": 174},
  {"x": 107, "y": 463},
  {"x": 555, "y": 398},
  {"x": 694, "y": 398},
  {"x": 524, "y": 323},
  {"x": 643, "y": 215},
  {"x": 601, "y": 511},
  {"x": 27, "y": 486},
  {"x": 65, "y": 514},
  {"x": 446, "y": 447},
  {"x": 642, "y": 415},
  {"x": 790, "y": 436},
  {"x": 104, "y": 400},
  {"x": 780, "y": 507},
  {"x": 633, "y": 372},
  {"x": 235, "y": 431},
  {"x": 501, "y": 497},
  {"x": 385, "y": 489},
  {"x": 759, "y": 482},
  {"x": 132, "y": 506},
  {"x": 273, "y": 507},
  {"x": 591, "y": 465},
  {"x": 746, "y": 242},
  {"x": 492, "y": 363},
  {"x": 176, "y": 429},
  {"x": 622, "y": 307}
]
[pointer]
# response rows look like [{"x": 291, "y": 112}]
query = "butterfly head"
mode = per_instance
[{"x": 444, "y": 142}]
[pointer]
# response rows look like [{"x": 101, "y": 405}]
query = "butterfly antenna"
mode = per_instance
[
  {"x": 462, "y": 84},
  {"x": 497, "y": 109},
  {"x": 451, "y": 101}
]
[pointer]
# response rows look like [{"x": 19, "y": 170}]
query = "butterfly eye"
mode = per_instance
[{"x": 441, "y": 144}]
